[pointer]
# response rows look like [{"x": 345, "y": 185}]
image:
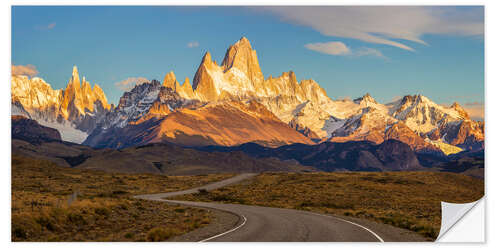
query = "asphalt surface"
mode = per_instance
[{"x": 267, "y": 224}]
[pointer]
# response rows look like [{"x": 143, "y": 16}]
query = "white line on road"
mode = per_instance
[
  {"x": 356, "y": 224},
  {"x": 232, "y": 230}
]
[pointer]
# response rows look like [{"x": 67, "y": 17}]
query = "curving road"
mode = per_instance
[{"x": 266, "y": 224}]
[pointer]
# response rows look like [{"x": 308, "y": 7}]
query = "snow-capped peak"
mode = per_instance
[
  {"x": 367, "y": 98},
  {"x": 77, "y": 107}
]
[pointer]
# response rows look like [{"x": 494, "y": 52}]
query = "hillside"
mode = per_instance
[
  {"x": 391, "y": 155},
  {"x": 52, "y": 203}
]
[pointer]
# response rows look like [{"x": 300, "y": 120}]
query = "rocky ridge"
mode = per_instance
[
  {"x": 74, "y": 111},
  {"x": 236, "y": 90}
]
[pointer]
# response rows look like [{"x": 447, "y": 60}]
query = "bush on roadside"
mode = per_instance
[{"x": 161, "y": 234}]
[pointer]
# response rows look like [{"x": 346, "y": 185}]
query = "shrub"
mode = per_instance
[
  {"x": 102, "y": 211},
  {"x": 76, "y": 218},
  {"x": 129, "y": 235},
  {"x": 46, "y": 222},
  {"x": 119, "y": 192},
  {"x": 19, "y": 232},
  {"x": 160, "y": 234},
  {"x": 180, "y": 210}
]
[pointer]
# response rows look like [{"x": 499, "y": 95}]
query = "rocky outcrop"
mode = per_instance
[
  {"x": 450, "y": 125},
  {"x": 226, "y": 123},
  {"x": 145, "y": 101},
  {"x": 306, "y": 107},
  {"x": 80, "y": 99},
  {"x": 467, "y": 134},
  {"x": 241, "y": 58},
  {"x": 29, "y": 130},
  {"x": 399, "y": 131},
  {"x": 302, "y": 106},
  {"x": 239, "y": 77},
  {"x": 79, "y": 107},
  {"x": 169, "y": 81},
  {"x": 303, "y": 130},
  {"x": 415, "y": 120},
  {"x": 35, "y": 97}
]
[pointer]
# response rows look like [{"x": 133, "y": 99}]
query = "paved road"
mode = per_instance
[{"x": 266, "y": 224}]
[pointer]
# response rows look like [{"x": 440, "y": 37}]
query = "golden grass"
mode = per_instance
[
  {"x": 408, "y": 200},
  {"x": 44, "y": 207}
]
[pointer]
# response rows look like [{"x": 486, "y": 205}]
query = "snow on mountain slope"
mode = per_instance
[
  {"x": 421, "y": 114},
  {"x": 35, "y": 97},
  {"x": 67, "y": 131},
  {"x": 302, "y": 105},
  {"x": 411, "y": 120},
  {"x": 451, "y": 125},
  {"x": 445, "y": 147},
  {"x": 239, "y": 77},
  {"x": 133, "y": 104},
  {"x": 143, "y": 101},
  {"x": 74, "y": 111},
  {"x": 305, "y": 104}
]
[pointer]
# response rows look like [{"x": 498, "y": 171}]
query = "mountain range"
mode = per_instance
[
  {"x": 232, "y": 104},
  {"x": 30, "y": 139},
  {"x": 75, "y": 111}
]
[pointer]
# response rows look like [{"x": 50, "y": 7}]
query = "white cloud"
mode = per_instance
[
  {"x": 330, "y": 48},
  {"x": 27, "y": 70},
  {"x": 193, "y": 44},
  {"x": 130, "y": 83},
  {"x": 340, "y": 49},
  {"x": 369, "y": 52},
  {"x": 386, "y": 24}
]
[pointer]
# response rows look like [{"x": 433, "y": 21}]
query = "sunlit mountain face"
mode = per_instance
[{"x": 234, "y": 103}]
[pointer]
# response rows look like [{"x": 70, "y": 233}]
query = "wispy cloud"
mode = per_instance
[
  {"x": 330, "y": 48},
  {"x": 46, "y": 26},
  {"x": 27, "y": 70},
  {"x": 475, "y": 110},
  {"x": 369, "y": 52},
  {"x": 386, "y": 24},
  {"x": 130, "y": 83},
  {"x": 340, "y": 49},
  {"x": 193, "y": 44}
]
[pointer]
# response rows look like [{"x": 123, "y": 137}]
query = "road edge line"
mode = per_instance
[
  {"x": 356, "y": 224},
  {"x": 229, "y": 231}
]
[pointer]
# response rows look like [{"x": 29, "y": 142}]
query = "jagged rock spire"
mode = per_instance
[
  {"x": 207, "y": 58},
  {"x": 169, "y": 80},
  {"x": 75, "y": 78},
  {"x": 78, "y": 98},
  {"x": 366, "y": 99},
  {"x": 242, "y": 57},
  {"x": 461, "y": 111}
]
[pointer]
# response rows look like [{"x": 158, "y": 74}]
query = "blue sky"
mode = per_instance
[{"x": 434, "y": 51}]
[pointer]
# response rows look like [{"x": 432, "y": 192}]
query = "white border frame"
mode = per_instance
[{"x": 492, "y": 81}]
